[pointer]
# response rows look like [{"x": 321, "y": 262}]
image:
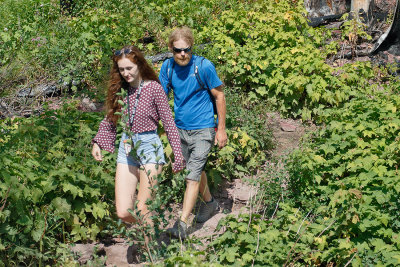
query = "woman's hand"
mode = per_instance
[
  {"x": 96, "y": 152},
  {"x": 177, "y": 166}
]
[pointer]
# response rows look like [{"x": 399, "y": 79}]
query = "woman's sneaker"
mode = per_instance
[{"x": 206, "y": 210}]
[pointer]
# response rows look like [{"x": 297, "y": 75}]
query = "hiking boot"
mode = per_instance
[
  {"x": 179, "y": 230},
  {"x": 206, "y": 210}
]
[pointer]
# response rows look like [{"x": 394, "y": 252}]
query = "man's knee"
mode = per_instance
[{"x": 192, "y": 183}]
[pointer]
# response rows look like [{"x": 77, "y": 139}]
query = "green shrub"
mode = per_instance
[
  {"x": 342, "y": 203},
  {"x": 52, "y": 190},
  {"x": 350, "y": 170},
  {"x": 268, "y": 51},
  {"x": 75, "y": 49}
]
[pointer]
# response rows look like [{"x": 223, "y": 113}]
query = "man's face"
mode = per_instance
[{"x": 181, "y": 57}]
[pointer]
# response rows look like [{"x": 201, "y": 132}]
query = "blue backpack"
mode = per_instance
[{"x": 203, "y": 86}]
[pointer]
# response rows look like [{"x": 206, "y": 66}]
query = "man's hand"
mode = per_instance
[
  {"x": 221, "y": 138},
  {"x": 96, "y": 152}
]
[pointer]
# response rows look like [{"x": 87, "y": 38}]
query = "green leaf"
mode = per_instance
[
  {"x": 61, "y": 206},
  {"x": 247, "y": 257}
]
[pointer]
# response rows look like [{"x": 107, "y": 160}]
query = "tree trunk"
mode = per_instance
[
  {"x": 362, "y": 9},
  {"x": 391, "y": 38}
]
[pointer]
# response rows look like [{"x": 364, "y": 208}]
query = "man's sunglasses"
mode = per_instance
[
  {"x": 122, "y": 51},
  {"x": 179, "y": 50}
]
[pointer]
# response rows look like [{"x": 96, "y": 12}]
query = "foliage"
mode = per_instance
[
  {"x": 342, "y": 206},
  {"x": 354, "y": 30},
  {"x": 251, "y": 117},
  {"x": 249, "y": 140},
  {"x": 283, "y": 62},
  {"x": 186, "y": 255},
  {"x": 351, "y": 169},
  {"x": 240, "y": 156},
  {"x": 74, "y": 49},
  {"x": 51, "y": 188},
  {"x": 261, "y": 235}
]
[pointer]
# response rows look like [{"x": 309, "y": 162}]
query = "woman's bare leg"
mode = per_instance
[
  {"x": 126, "y": 179},
  {"x": 148, "y": 175}
]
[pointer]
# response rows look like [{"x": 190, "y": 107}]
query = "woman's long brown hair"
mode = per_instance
[{"x": 117, "y": 82}]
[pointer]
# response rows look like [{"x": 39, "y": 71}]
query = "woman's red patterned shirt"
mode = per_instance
[{"x": 153, "y": 106}]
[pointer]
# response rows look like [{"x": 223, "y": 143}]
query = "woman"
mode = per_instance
[{"x": 147, "y": 104}]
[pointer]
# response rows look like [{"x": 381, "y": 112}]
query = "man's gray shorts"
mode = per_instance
[{"x": 196, "y": 144}]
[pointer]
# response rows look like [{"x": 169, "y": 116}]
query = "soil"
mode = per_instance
[{"x": 233, "y": 198}]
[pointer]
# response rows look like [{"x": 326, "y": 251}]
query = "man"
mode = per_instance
[{"x": 196, "y": 86}]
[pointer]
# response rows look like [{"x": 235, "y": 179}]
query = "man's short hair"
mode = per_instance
[{"x": 184, "y": 33}]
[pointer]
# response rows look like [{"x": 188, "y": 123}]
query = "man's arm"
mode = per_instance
[{"x": 220, "y": 137}]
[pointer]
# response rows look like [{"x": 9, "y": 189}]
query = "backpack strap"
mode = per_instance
[
  {"x": 170, "y": 70},
  {"x": 197, "y": 74},
  {"x": 203, "y": 86}
]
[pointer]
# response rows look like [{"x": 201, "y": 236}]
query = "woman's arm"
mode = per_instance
[
  {"x": 105, "y": 137},
  {"x": 165, "y": 114}
]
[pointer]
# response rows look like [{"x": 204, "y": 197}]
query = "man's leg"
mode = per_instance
[
  {"x": 196, "y": 144},
  {"x": 189, "y": 200},
  {"x": 204, "y": 189},
  {"x": 192, "y": 190},
  {"x": 207, "y": 205}
]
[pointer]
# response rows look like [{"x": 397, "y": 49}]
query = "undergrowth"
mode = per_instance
[{"x": 333, "y": 202}]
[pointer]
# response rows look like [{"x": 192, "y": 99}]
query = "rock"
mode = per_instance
[
  {"x": 287, "y": 127},
  {"x": 335, "y": 25},
  {"x": 86, "y": 251},
  {"x": 395, "y": 49},
  {"x": 88, "y": 105},
  {"x": 40, "y": 90},
  {"x": 241, "y": 191},
  {"x": 121, "y": 254},
  {"x": 321, "y": 8}
]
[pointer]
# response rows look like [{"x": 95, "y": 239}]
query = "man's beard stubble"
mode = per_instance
[{"x": 182, "y": 62}]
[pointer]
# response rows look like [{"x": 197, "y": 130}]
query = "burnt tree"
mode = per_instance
[{"x": 391, "y": 38}]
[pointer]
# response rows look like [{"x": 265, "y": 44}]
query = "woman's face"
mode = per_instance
[{"x": 129, "y": 71}]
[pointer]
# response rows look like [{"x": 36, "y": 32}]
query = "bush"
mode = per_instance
[
  {"x": 268, "y": 52},
  {"x": 52, "y": 190},
  {"x": 350, "y": 170},
  {"x": 342, "y": 206},
  {"x": 74, "y": 48}
]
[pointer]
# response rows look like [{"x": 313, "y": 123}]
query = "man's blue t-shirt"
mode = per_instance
[{"x": 193, "y": 107}]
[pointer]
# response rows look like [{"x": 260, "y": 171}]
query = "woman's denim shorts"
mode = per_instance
[{"x": 150, "y": 150}]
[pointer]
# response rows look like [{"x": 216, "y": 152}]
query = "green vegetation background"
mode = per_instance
[{"x": 334, "y": 201}]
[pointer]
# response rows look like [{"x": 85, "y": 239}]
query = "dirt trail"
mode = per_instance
[{"x": 233, "y": 197}]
